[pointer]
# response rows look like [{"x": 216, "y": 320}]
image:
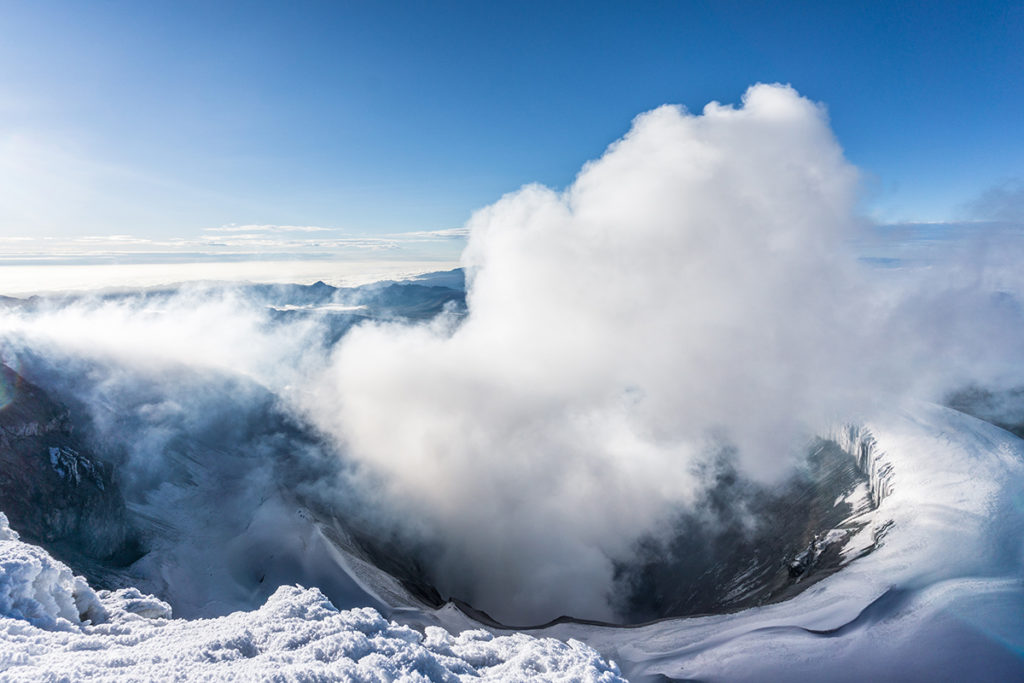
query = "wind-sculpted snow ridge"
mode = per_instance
[
  {"x": 54, "y": 626},
  {"x": 862, "y": 445},
  {"x": 38, "y": 589},
  {"x": 938, "y": 598}
]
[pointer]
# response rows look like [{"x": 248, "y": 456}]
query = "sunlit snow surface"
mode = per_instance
[{"x": 54, "y": 626}]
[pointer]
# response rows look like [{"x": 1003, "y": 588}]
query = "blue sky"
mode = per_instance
[{"x": 161, "y": 120}]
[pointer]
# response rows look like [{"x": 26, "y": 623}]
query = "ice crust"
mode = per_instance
[{"x": 53, "y": 626}]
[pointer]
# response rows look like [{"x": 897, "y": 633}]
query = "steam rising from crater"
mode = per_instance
[
  {"x": 690, "y": 287},
  {"x": 695, "y": 288}
]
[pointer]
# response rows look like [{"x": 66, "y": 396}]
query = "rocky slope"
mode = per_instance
[{"x": 55, "y": 492}]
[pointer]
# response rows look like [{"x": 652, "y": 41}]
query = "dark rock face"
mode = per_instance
[
  {"x": 744, "y": 544},
  {"x": 55, "y": 492}
]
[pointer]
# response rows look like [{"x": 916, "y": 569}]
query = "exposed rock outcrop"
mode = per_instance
[{"x": 54, "y": 491}]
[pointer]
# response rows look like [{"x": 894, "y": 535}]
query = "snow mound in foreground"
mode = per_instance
[
  {"x": 38, "y": 589},
  {"x": 52, "y": 624}
]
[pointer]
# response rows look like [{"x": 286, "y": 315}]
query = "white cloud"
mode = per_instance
[
  {"x": 448, "y": 233},
  {"x": 1003, "y": 202},
  {"x": 676, "y": 290},
  {"x": 270, "y": 228},
  {"x": 114, "y": 239},
  {"x": 694, "y": 285}
]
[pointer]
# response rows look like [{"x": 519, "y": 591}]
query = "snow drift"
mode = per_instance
[
  {"x": 52, "y": 624},
  {"x": 36, "y": 588}
]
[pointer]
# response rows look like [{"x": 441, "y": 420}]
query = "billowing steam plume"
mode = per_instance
[{"x": 694, "y": 289}]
